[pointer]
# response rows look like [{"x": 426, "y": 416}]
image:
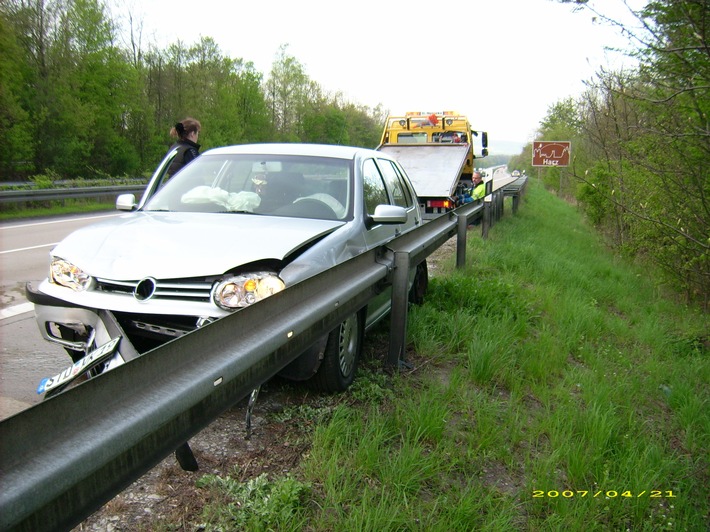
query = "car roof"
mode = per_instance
[{"x": 321, "y": 150}]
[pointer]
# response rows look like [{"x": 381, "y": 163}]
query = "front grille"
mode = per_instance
[
  {"x": 150, "y": 331},
  {"x": 174, "y": 289}
]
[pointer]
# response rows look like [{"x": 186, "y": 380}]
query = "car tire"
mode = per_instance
[
  {"x": 341, "y": 356},
  {"x": 420, "y": 285}
]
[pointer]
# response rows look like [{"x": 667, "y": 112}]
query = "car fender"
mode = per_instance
[{"x": 335, "y": 248}]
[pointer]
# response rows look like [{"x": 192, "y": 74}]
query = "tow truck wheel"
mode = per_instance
[{"x": 342, "y": 353}]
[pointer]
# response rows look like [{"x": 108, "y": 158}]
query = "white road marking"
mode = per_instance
[
  {"x": 63, "y": 220},
  {"x": 16, "y": 310},
  {"x": 29, "y": 248}
]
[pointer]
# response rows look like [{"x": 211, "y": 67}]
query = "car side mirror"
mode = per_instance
[
  {"x": 126, "y": 202},
  {"x": 389, "y": 214}
]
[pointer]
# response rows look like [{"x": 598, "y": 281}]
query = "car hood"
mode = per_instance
[{"x": 182, "y": 245}]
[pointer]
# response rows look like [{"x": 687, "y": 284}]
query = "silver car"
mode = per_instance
[{"x": 235, "y": 226}]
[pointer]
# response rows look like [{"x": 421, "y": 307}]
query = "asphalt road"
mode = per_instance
[{"x": 25, "y": 358}]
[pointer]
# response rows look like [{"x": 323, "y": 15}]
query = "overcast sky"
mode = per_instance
[{"x": 502, "y": 63}]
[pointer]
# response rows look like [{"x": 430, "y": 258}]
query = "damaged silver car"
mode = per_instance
[{"x": 235, "y": 226}]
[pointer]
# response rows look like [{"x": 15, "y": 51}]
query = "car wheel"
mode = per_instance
[
  {"x": 420, "y": 284},
  {"x": 342, "y": 353}
]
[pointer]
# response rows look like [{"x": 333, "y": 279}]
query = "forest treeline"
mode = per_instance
[
  {"x": 80, "y": 97},
  {"x": 641, "y": 145}
]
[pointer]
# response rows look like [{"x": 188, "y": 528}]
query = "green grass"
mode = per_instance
[{"x": 556, "y": 389}]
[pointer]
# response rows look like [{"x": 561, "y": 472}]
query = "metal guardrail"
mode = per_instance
[
  {"x": 60, "y": 460},
  {"x": 515, "y": 190},
  {"x": 46, "y": 194}
]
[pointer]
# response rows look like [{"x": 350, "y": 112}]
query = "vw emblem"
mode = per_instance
[{"x": 145, "y": 289}]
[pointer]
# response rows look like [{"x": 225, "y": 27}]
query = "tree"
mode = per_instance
[
  {"x": 16, "y": 133},
  {"x": 32, "y": 25},
  {"x": 646, "y": 144},
  {"x": 286, "y": 91},
  {"x": 76, "y": 103}
]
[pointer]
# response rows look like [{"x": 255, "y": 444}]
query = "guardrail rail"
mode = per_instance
[{"x": 54, "y": 194}]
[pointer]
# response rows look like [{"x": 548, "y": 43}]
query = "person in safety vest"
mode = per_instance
[{"x": 479, "y": 187}]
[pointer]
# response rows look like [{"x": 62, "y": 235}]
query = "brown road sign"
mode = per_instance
[{"x": 551, "y": 153}]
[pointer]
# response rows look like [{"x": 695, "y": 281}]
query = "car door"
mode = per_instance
[
  {"x": 382, "y": 185},
  {"x": 400, "y": 193},
  {"x": 159, "y": 177}
]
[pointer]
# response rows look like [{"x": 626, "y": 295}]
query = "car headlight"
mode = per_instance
[
  {"x": 244, "y": 290},
  {"x": 66, "y": 274}
]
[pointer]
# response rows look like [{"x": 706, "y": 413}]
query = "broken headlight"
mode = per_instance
[
  {"x": 244, "y": 290},
  {"x": 64, "y": 273}
]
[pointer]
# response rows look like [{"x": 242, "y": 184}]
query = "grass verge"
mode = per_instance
[
  {"x": 554, "y": 388},
  {"x": 69, "y": 206}
]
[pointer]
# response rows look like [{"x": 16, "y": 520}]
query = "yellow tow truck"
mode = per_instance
[{"x": 436, "y": 150}]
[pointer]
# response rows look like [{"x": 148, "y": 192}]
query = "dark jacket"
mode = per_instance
[{"x": 187, "y": 151}]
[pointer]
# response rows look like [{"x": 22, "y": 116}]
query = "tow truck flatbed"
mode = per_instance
[{"x": 434, "y": 169}]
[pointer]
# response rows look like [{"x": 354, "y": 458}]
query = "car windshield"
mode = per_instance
[{"x": 275, "y": 185}]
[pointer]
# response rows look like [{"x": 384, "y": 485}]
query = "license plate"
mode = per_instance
[{"x": 79, "y": 367}]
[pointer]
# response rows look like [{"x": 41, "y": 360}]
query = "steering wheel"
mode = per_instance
[{"x": 308, "y": 208}]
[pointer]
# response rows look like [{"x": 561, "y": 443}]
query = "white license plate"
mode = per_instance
[{"x": 79, "y": 367}]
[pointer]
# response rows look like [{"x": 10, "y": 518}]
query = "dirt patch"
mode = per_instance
[
  {"x": 443, "y": 258},
  {"x": 167, "y": 494},
  {"x": 12, "y": 294}
]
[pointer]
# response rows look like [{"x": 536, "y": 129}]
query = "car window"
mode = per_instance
[
  {"x": 400, "y": 194},
  {"x": 374, "y": 186},
  {"x": 450, "y": 136},
  {"x": 275, "y": 185},
  {"x": 411, "y": 138}
]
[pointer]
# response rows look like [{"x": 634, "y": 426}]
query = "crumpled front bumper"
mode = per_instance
[{"x": 98, "y": 326}]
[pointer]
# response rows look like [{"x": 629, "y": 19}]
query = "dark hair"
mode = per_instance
[{"x": 184, "y": 128}]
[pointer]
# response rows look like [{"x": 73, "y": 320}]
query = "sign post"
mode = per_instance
[{"x": 551, "y": 153}]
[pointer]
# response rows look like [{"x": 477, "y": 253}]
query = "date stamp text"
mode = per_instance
[{"x": 607, "y": 494}]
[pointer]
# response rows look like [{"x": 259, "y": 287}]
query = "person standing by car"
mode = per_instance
[{"x": 186, "y": 133}]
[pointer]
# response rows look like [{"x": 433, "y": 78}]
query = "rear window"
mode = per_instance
[{"x": 411, "y": 138}]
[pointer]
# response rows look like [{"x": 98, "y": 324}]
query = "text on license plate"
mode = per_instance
[{"x": 79, "y": 367}]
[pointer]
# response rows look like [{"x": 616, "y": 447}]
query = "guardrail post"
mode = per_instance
[
  {"x": 487, "y": 212},
  {"x": 461, "y": 241},
  {"x": 486, "y": 224},
  {"x": 398, "y": 312}
]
